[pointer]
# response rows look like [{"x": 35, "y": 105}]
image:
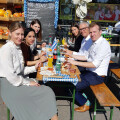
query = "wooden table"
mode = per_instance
[
  {"x": 77, "y": 73},
  {"x": 40, "y": 77}
]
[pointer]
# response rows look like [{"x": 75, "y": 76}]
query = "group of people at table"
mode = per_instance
[{"x": 26, "y": 98}]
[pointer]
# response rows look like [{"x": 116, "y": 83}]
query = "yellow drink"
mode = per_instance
[
  {"x": 50, "y": 61},
  {"x": 63, "y": 41}
]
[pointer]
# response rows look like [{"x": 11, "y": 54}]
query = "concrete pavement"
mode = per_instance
[{"x": 64, "y": 109}]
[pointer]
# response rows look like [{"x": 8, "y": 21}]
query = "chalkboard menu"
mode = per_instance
[{"x": 45, "y": 12}]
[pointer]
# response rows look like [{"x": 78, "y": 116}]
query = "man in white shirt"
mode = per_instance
[
  {"x": 98, "y": 58},
  {"x": 86, "y": 42}
]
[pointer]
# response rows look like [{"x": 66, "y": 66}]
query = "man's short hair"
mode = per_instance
[
  {"x": 94, "y": 24},
  {"x": 83, "y": 22}
]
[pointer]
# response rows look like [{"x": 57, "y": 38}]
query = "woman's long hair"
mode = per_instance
[
  {"x": 26, "y": 32},
  {"x": 77, "y": 26},
  {"x": 39, "y": 34}
]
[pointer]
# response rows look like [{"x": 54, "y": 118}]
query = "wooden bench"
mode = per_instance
[
  {"x": 116, "y": 72},
  {"x": 114, "y": 69},
  {"x": 105, "y": 98}
]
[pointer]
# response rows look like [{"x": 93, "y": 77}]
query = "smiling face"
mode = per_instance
[
  {"x": 95, "y": 33},
  {"x": 17, "y": 36},
  {"x": 36, "y": 27},
  {"x": 84, "y": 30},
  {"x": 75, "y": 31},
  {"x": 30, "y": 38}
]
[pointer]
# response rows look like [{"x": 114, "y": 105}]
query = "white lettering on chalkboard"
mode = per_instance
[
  {"x": 45, "y": 12},
  {"x": 36, "y": 6}
]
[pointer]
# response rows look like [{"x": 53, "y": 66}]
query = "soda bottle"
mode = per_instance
[
  {"x": 50, "y": 41},
  {"x": 50, "y": 59},
  {"x": 58, "y": 48},
  {"x": 54, "y": 56},
  {"x": 58, "y": 64}
]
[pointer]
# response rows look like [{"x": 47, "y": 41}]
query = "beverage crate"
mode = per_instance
[
  {"x": 5, "y": 37},
  {"x": 12, "y": 18},
  {"x": 7, "y": 1},
  {"x": 17, "y": 18},
  {"x": 12, "y": 1},
  {"x": 4, "y": 18},
  {"x": 5, "y": 34},
  {"x": 4, "y": 27},
  {"x": 0, "y": 36},
  {"x": 19, "y": 1}
]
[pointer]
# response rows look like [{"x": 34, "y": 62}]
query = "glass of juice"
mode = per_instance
[{"x": 50, "y": 61}]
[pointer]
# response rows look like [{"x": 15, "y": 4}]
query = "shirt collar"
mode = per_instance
[
  {"x": 87, "y": 38},
  {"x": 16, "y": 46},
  {"x": 99, "y": 40}
]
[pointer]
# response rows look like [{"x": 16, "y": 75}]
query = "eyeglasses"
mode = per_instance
[{"x": 83, "y": 28}]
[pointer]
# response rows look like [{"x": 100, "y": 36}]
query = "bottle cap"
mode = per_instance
[{"x": 50, "y": 49}]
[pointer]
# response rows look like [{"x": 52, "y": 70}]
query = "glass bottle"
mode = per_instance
[
  {"x": 58, "y": 48},
  {"x": 54, "y": 56},
  {"x": 58, "y": 64},
  {"x": 50, "y": 41},
  {"x": 50, "y": 59}
]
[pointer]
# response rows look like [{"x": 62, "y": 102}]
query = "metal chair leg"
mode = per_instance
[
  {"x": 8, "y": 114},
  {"x": 111, "y": 112},
  {"x": 95, "y": 107},
  {"x": 12, "y": 118},
  {"x": 73, "y": 103}
]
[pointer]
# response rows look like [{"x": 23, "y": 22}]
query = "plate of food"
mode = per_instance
[
  {"x": 65, "y": 68},
  {"x": 47, "y": 71}
]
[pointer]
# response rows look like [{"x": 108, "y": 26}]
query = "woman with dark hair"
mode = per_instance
[
  {"x": 29, "y": 58},
  {"x": 78, "y": 38},
  {"x": 26, "y": 99},
  {"x": 36, "y": 25}
]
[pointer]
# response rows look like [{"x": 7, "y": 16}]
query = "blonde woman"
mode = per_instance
[{"x": 26, "y": 99}]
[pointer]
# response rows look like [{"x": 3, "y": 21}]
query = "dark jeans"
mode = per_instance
[
  {"x": 81, "y": 68},
  {"x": 87, "y": 78}
]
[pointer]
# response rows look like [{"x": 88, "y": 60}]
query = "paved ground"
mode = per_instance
[{"x": 64, "y": 109}]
